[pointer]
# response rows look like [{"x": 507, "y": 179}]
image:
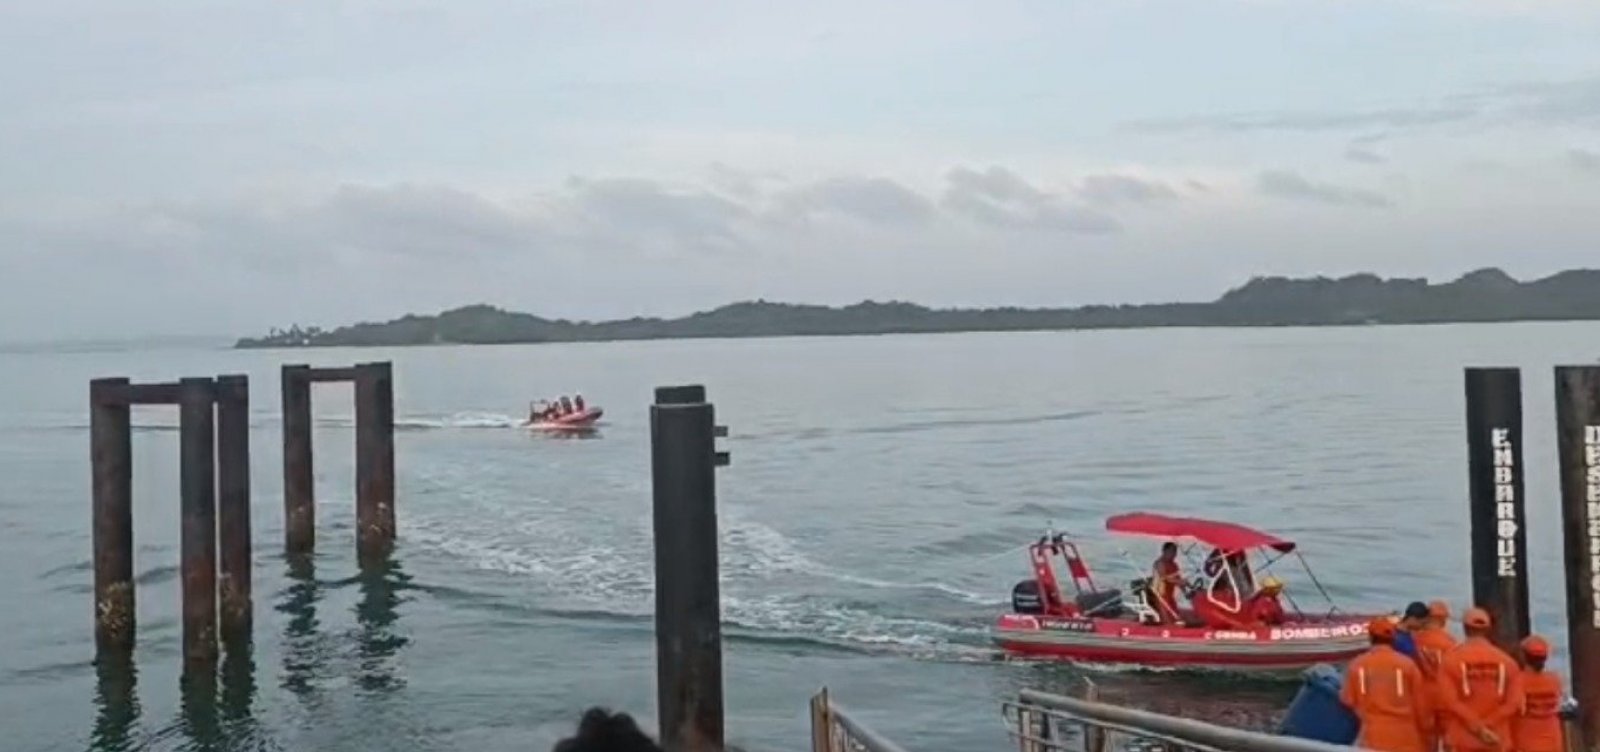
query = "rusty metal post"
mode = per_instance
[
  {"x": 374, "y": 392},
  {"x": 299, "y": 503},
  {"x": 198, "y": 509},
  {"x": 1499, "y": 540},
  {"x": 111, "y": 455},
  {"x": 233, "y": 509},
  {"x": 1578, "y": 446},
  {"x": 688, "y": 615}
]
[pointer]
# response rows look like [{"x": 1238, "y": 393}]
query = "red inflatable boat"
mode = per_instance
[
  {"x": 585, "y": 418},
  {"x": 1106, "y": 627}
]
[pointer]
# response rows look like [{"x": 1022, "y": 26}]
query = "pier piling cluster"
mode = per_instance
[{"x": 214, "y": 496}]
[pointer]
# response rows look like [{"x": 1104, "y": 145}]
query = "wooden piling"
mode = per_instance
[
  {"x": 198, "y": 508},
  {"x": 299, "y": 505},
  {"x": 688, "y": 617},
  {"x": 1578, "y": 446},
  {"x": 1499, "y": 538},
  {"x": 374, "y": 395},
  {"x": 233, "y": 509},
  {"x": 111, "y": 456}
]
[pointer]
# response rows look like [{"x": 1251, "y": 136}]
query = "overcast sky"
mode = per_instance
[{"x": 201, "y": 166}]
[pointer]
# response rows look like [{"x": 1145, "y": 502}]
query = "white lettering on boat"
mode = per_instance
[
  {"x": 1230, "y": 635},
  {"x": 1068, "y": 625},
  {"x": 1505, "y": 501},
  {"x": 1591, "y": 475},
  {"x": 1318, "y": 633}
]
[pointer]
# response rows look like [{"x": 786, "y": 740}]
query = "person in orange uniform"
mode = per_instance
[
  {"x": 1480, "y": 690},
  {"x": 1538, "y": 727},
  {"x": 1386, "y": 691},
  {"x": 1434, "y": 640},
  {"x": 1166, "y": 579}
]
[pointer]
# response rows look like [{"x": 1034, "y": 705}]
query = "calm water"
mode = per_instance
[{"x": 872, "y": 523}]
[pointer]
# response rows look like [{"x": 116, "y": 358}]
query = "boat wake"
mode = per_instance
[{"x": 772, "y": 592}]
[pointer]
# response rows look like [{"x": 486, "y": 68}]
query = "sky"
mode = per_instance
[{"x": 213, "y": 167}]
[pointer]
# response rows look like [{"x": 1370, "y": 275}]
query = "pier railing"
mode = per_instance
[
  {"x": 1043, "y": 722},
  {"x": 834, "y": 730}
]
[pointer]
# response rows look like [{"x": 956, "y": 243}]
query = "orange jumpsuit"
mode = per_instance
[
  {"x": 1165, "y": 580},
  {"x": 1433, "y": 644},
  {"x": 1538, "y": 727},
  {"x": 1386, "y": 691},
  {"x": 1480, "y": 687}
]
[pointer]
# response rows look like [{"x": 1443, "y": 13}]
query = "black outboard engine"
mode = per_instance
[{"x": 1025, "y": 598}]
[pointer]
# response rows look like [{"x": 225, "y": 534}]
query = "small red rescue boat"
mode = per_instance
[
  {"x": 1103, "y": 626},
  {"x": 585, "y": 418}
]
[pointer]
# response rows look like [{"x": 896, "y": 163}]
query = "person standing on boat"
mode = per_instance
[
  {"x": 1537, "y": 728},
  {"x": 1386, "y": 692},
  {"x": 1166, "y": 578},
  {"x": 577, "y": 402},
  {"x": 1480, "y": 688}
]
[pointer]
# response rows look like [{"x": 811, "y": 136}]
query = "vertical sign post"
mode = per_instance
[
  {"x": 1499, "y": 540},
  {"x": 1578, "y": 445}
]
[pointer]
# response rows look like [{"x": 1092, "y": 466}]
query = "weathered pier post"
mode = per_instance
[
  {"x": 374, "y": 407},
  {"x": 683, "y": 459},
  {"x": 375, "y": 521},
  {"x": 1499, "y": 538},
  {"x": 299, "y": 505},
  {"x": 111, "y": 457},
  {"x": 233, "y": 509},
  {"x": 1578, "y": 446},
  {"x": 198, "y": 509}
]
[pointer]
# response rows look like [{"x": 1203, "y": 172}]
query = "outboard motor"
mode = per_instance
[{"x": 1025, "y": 598}]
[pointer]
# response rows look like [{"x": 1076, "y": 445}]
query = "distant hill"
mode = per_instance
[{"x": 1481, "y": 296}]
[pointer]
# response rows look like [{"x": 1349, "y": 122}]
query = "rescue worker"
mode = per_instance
[
  {"x": 1166, "y": 578},
  {"x": 1412, "y": 621},
  {"x": 1387, "y": 693},
  {"x": 1480, "y": 690},
  {"x": 1433, "y": 643},
  {"x": 1434, "y": 640},
  {"x": 577, "y": 402},
  {"x": 1537, "y": 728},
  {"x": 566, "y": 405},
  {"x": 1264, "y": 608}
]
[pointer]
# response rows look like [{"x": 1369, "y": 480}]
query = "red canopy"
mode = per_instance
[{"x": 1224, "y": 535}]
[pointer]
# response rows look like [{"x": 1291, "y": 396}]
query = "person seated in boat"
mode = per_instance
[
  {"x": 1265, "y": 609},
  {"x": 566, "y": 405},
  {"x": 577, "y": 402},
  {"x": 1166, "y": 579}
]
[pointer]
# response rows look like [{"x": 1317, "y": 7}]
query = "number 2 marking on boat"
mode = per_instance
[{"x": 1125, "y": 631}]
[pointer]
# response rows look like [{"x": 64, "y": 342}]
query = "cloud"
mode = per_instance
[
  {"x": 1362, "y": 150},
  {"x": 1396, "y": 118},
  {"x": 873, "y": 200},
  {"x": 1584, "y": 161},
  {"x": 999, "y": 198},
  {"x": 1550, "y": 103},
  {"x": 1114, "y": 189},
  {"x": 1291, "y": 185}
]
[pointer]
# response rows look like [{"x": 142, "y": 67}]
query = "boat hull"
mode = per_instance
[
  {"x": 585, "y": 419},
  {"x": 1121, "y": 642}
]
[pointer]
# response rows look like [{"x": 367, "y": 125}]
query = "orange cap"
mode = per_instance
[
  {"x": 1535, "y": 647},
  {"x": 1476, "y": 618},
  {"x": 1439, "y": 610},
  {"x": 1381, "y": 628}
]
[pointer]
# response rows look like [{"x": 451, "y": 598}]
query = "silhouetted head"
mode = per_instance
[
  {"x": 1535, "y": 651},
  {"x": 1416, "y": 616},
  {"x": 1476, "y": 622},
  {"x": 1169, "y": 550},
  {"x": 1381, "y": 631},
  {"x": 600, "y": 730}
]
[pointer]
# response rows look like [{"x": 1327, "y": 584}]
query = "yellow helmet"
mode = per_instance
[{"x": 1271, "y": 584}]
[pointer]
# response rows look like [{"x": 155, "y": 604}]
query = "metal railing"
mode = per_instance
[
  {"x": 833, "y": 730},
  {"x": 1043, "y": 722}
]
